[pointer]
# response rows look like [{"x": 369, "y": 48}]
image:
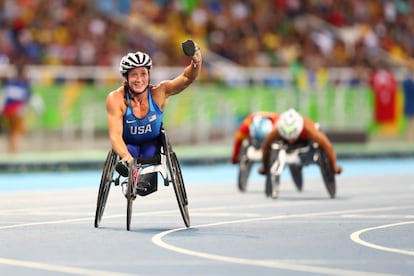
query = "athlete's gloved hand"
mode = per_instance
[
  {"x": 234, "y": 160},
  {"x": 122, "y": 168},
  {"x": 262, "y": 170},
  {"x": 338, "y": 169}
]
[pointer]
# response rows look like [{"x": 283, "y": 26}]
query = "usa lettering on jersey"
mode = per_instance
[{"x": 134, "y": 130}]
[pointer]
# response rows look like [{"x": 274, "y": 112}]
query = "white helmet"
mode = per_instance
[
  {"x": 259, "y": 128},
  {"x": 290, "y": 124},
  {"x": 134, "y": 60}
]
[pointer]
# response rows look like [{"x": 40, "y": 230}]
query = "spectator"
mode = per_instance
[
  {"x": 408, "y": 89},
  {"x": 15, "y": 99},
  {"x": 249, "y": 33},
  {"x": 384, "y": 85}
]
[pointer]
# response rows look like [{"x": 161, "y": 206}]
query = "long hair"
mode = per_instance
[{"x": 126, "y": 90}]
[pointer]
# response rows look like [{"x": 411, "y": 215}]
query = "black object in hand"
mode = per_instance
[{"x": 189, "y": 47}]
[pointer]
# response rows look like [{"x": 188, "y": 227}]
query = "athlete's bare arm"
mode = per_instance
[
  {"x": 241, "y": 134},
  {"x": 266, "y": 145},
  {"x": 168, "y": 88},
  {"x": 319, "y": 137},
  {"x": 115, "y": 107}
]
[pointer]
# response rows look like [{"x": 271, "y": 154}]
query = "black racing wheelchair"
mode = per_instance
[
  {"x": 251, "y": 153},
  {"x": 165, "y": 163},
  {"x": 296, "y": 156}
]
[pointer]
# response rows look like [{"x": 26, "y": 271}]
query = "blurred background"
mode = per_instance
[{"x": 347, "y": 64}]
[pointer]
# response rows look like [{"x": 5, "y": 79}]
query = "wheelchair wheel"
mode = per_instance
[
  {"x": 272, "y": 179},
  {"x": 178, "y": 183},
  {"x": 328, "y": 174},
  {"x": 105, "y": 185},
  {"x": 245, "y": 166},
  {"x": 296, "y": 173},
  {"x": 130, "y": 195}
]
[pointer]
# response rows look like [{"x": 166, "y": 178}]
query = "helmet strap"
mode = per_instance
[{"x": 134, "y": 94}]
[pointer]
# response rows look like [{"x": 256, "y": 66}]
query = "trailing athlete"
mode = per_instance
[{"x": 291, "y": 127}]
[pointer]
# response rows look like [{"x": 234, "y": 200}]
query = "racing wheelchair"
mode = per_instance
[
  {"x": 296, "y": 156},
  {"x": 250, "y": 153},
  {"x": 165, "y": 163}
]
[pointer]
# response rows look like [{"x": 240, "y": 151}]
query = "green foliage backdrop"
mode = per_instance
[{"x": 75, "y": 104}]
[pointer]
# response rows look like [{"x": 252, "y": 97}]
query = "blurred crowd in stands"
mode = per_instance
[
  {"x": 329, "y": 33},
  {"x": 291, "y": 34}
]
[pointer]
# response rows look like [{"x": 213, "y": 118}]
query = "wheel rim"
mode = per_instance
[
  {"x": 130, "y": 194},
  {"x": 244, "y": 173},
  {"x": 327, "y": 174},
  {"x": 179, "y": 189},
  {"x": 105, "y": 185}
]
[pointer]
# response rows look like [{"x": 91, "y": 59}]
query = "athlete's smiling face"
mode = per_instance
[{"x": 138, "y": 79}]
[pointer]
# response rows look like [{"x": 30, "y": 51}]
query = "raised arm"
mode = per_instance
[{"x": 188, "y": 76}]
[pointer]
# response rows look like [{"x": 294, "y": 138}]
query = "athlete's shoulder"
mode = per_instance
[
  {"x": 308, "y": 122},
  {"x": 310, "y": 129},
  {"x": 158, "y": 93},
  {"x": 268, "y": 114},
  {"x": 115, "y": 97},
  {"x": 119, "y": 92},
  {"x": 159, "y": 88}
]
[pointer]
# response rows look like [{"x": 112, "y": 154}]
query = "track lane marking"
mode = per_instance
[
  {"x": 62, "y": 221},
  {"x": 355, "y": 237},
  {"x": 158, "y": 240},
  {"x": 266, "y": 263},
  {"x": 59, "y": 268}
]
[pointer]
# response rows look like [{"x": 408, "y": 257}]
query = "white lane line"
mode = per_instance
[
  {"x": 387, "y": 216},
  {"x": 199, "y": 209},
  {"x": 158, "y": 240},
  {"x": 355, "y": 237},
  {"x": 145, "y": 214},
  {"x": 263, "y": 263},
  {"x": 44, "y": 223},
  {"x": 80, "y": 219},
  {"x": 59, "y": 268}
]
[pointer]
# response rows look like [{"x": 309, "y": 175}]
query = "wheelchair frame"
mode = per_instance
[
  {"x": 251, "y": 153},
  {"x": 165, "y": 163},
  {"x": 248, "y": 155},
  {"x": 296, "y": 157}
]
